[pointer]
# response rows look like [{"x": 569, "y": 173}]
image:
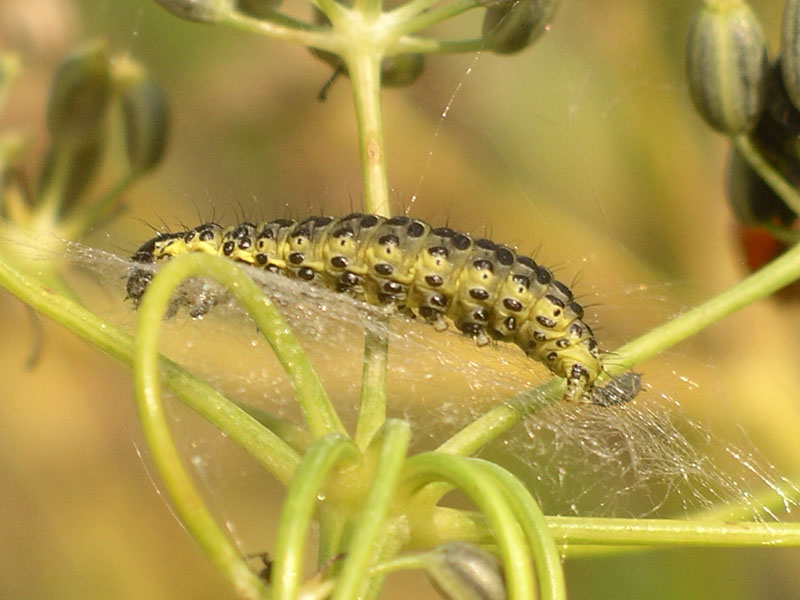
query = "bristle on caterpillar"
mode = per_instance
[{"x": 486, "y": 289}]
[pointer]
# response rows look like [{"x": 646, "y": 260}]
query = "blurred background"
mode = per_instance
[{"x": 583, "y": 149}]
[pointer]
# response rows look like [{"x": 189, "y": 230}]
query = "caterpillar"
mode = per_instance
[{"x": 486, "y": 289}]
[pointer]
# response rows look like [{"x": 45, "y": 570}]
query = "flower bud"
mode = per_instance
[
  {"x": 462, "y": 571},
  {"x": 201, "y": 11},
  {"x": 80, "y": 96},
  {"x": 146, "y": 117},
  {"x": 511, "y": 25},
  {"x": 726, "y": 65}
]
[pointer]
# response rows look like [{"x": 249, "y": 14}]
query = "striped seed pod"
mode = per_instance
[
  {"x": 726, "y": 65},
  {"x": 790, "y": 50},
  {"x": 511, "y": 25},
  {"x": 462, "y": 571}
]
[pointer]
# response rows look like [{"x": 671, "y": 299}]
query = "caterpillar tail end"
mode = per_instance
[{"x": 620, "y": 390}]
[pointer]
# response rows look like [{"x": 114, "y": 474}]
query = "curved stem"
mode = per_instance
[
  {"x": 298, "y": 510},
  {"x": 546, "y": 555},
  {"x": 423, "y": 469},
  {"x": 185, "y": 498},
  {"x": 372, "y": 409},
  {"x": 365, "y": 543},
  {"x": 318, "y": 412}
]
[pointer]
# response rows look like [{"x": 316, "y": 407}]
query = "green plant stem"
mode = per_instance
[
  {"x": 482, "y": 489},
  {"x": 769, "y": 279},
  {"x": 663, "y": 532},
  {"x": 318, "y": 412},
  {"x": 779, "y": 273},
  {"x": 272, "y": 453},
  {"x": 301, "y": 33},
  {"x": 403, "y": 23},
  {"x": 298, "y": 511},
  {"x": 364, "y": 68},
  {"x": 615, "y": 535},
  {"x": 372, "y": 409},
  {"x": 332, "y": 521},
  {"x": 410, "y": 44},
  {"x": 411, "y": 9},
  {"x": 772, "y": 176},
  {"x": 546, "y": 555},
  {"x": 371, "y": 520},
  {"x": 187, "y": 501}
]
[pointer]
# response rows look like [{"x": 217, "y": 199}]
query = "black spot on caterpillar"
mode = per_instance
[{"x": 486, "y": 289}]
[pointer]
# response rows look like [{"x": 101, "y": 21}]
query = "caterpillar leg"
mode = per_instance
[{"x": 578, "y": 384}]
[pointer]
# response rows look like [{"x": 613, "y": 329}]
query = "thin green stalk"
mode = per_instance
[
  {"x": 364, "y": 68},
  {"x": 767, "y": 172},
  {"x": 403, "y": 24},
  {"x": 272, "y": 453},
  {"x": 546, "y": 555},
  {"x": 298, "y": 511},
  {"x": 663, "y": 532},
  {"x": 406, "y": 562},
  {"x": 332, "y": 520},
  {"x": 372, "y": 410},
  {"x": 615, "y": 534},
  {"x": 395, "y": 539},
  {"x": 769, "y": 279},
  {"x": 779, "y": 273},
  {"x": 187, "y": 501},
  {"x": 302, "y": 34},
  {"x": 318, "y": 412},
  {"x": 411, "y": 9},
  {"x": 424, "y": 468},
  {"x": 370, "y": 523},
  {"x": 412, "y": 44}
]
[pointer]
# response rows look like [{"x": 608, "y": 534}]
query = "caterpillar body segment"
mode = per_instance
[{"x": 486, "y": 289}]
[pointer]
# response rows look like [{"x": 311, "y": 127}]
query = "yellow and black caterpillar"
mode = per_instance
[{"x": 486, "y": 289}]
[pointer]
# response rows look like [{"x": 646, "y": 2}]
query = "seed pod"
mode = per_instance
[
  {"x": 462, "y": 571},
  {"x": 146, "y": 121},
  {"x": 80, "y": 96},
  {"x": 201, "y": 11},
  {"x": 790, "y": 50},
  {"x": 726, "y": 65},
  {"x": 511, "y": 25}
]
